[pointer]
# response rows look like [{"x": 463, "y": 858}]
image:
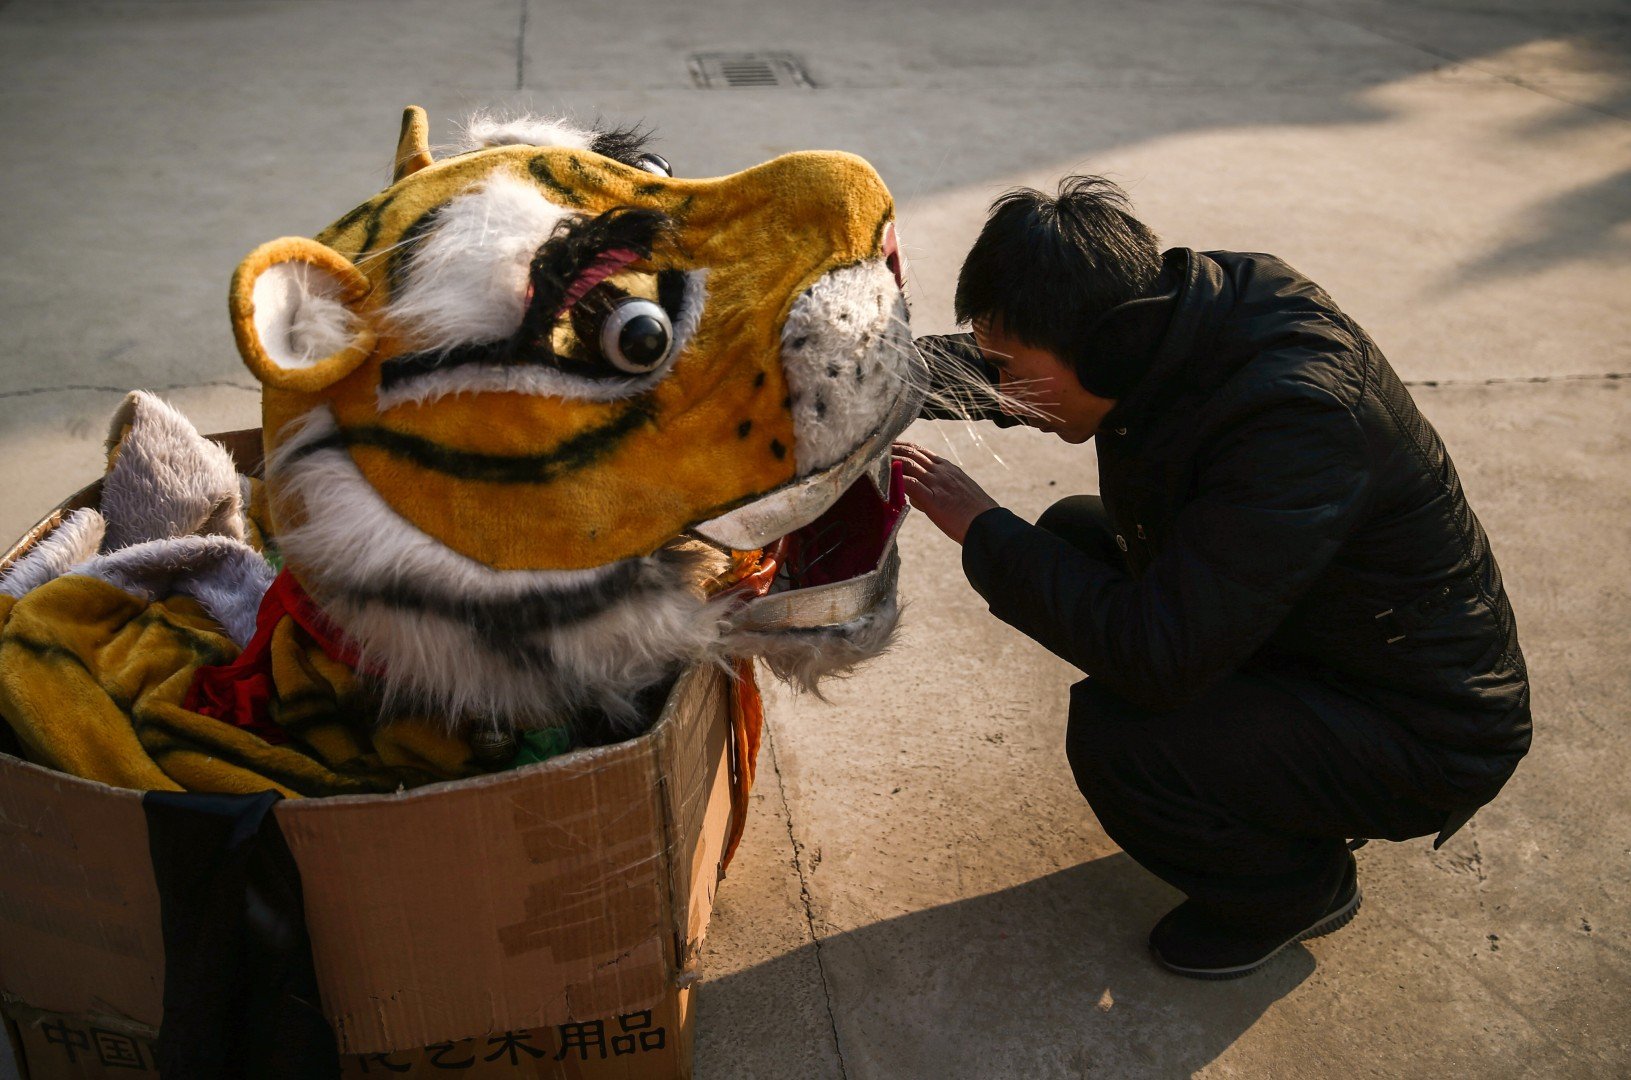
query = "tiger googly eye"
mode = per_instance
[
  {"x": 654, "y": 163},
  {"x": 637, "y": 335}
]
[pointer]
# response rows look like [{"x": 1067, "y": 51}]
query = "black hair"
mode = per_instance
[
  {"x": 624, "y": 144},
  {"x": 574, "y": 246},
  {"x": 1046, "y": 267}
]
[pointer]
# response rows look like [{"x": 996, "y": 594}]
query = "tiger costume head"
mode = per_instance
[{"x": 538, "y": 412}]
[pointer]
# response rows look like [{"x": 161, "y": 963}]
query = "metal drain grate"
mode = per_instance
[{"x": 718, "y": 70}]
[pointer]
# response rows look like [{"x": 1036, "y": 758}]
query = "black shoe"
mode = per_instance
[{"x": 1192, "y": 941}]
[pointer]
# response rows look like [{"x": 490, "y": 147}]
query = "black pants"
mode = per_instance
[{"x": 1243, "y": 800}]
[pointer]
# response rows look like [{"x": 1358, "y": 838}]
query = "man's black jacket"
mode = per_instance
[{"x": 1283, "y": 507}]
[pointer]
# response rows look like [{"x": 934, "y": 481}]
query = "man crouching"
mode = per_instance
[{"x": 1293, "y": 627}]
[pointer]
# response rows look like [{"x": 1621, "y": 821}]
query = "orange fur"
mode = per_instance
[{"x": 764, "y": 235}]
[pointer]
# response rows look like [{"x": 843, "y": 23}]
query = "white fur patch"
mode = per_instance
[
  {"x": 74, "y": 540},
  {"x": 804, "y": 658},
  {"x": 226, "y": 576},
  {"x": 691, "y": 309},
  {"x": 354, "y": 548},
  {"x": 846, "y": 350},
  {"x": 541, "y": 381},
  {"x": 167, "y": 480},
  {"x": 485, "y": 129},
  {"x": 467, "y": 279},
  {"x": 297, "y": 316}
]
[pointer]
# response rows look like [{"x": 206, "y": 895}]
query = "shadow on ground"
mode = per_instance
[{"x": 1048, "y": 978}]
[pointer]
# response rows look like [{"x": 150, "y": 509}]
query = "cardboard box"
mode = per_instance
[{"x": 542, "y": 922}]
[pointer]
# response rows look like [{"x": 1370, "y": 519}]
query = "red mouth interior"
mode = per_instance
[
  {"x": 849, "y": 539},
  {"x": 891, "y": 254}
]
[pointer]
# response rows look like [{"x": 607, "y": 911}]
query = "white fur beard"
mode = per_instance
[
  {"x": 431, "y": 665},
  {"x": 421, "y": 614},
  {"x": 424, "y": 617}
]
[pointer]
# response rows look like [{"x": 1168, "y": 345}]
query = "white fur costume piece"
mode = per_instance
[
  {"x": 165, "y": 480},
  {"x": 846, "y": 350},
  {"x": 297, "y": 316},
  {"x": 226, "y": 576},
  {"x": 414, "y": 606},
  {"x": 75, "y": 540},
  {"x": 467, "y": 280},
  {"x": 487, "y": 129},
  {"x": 806, "y": 657}
]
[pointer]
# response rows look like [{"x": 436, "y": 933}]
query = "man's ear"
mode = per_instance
[{"x": 296, "y": 314}]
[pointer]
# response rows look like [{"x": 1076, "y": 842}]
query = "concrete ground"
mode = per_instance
[{"x": 923, "y": 894}]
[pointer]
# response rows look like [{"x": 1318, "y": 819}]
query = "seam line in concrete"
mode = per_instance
[
  {"x": 1502, "y": 380},
  {"x": 521, "y": 50},
  {"x": 804, "y": 898},
  {"x": 36, "y": 391},
  {"x": 1445, "y": 54}
]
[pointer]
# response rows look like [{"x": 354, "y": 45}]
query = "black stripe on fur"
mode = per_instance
[
  {"x": 580, "y": 451},
  {"x": 505, "y": 624},
  {"x": 401, "y": 256},
  {"x": 539, "y": 168},
  {"x": 410, "y": 366},
  {"x": 376, "y": 218}
]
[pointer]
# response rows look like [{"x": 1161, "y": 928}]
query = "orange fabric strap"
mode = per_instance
[{"x": 747, "y": 726}]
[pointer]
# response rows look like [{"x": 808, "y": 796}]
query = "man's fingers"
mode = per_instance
[
  {"x": 917, "y": 487},
  {"x": 911, "y": 456},
  {"x": 913, "y": 467},
  {"x": 913, "y": 452}
]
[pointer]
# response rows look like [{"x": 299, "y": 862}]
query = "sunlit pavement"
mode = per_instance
[{"x": 922, "y": 892}]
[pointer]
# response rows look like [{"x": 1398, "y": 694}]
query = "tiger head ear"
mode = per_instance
[
  {"x": 296, "y": 312},
  {"x": 413, "y": 145}
]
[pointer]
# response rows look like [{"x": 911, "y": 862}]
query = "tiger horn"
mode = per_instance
[{"x": 413, "y": 145}]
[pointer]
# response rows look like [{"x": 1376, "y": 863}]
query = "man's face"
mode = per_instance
[{"x": 1044, "y": 382}]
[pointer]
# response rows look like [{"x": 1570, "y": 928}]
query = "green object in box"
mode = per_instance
[{"x": 536, "y": 746}]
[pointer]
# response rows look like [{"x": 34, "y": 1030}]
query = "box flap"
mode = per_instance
[
  {"x": 79, "y": 910},
  {"x": 554, "y": 894},
  {"x": 697, "y": 801},
  {"x": 522, "y": 900}
]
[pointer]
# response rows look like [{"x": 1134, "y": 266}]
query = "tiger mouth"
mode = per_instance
[
  {"x": 838, "y": 569},
  {"x": 831, "y": 531},
  {"x": 831, "y": 535}
]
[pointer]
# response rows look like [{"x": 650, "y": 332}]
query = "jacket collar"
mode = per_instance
[{"x": 1204, "y": 295}]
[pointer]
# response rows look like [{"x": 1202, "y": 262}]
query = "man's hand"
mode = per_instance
[{"x": 941, "y": 490}]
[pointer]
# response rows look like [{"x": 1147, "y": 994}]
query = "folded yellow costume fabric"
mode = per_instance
[
  {"x": 92, "y": 679},
  {"x": 498, "y": 399}
]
